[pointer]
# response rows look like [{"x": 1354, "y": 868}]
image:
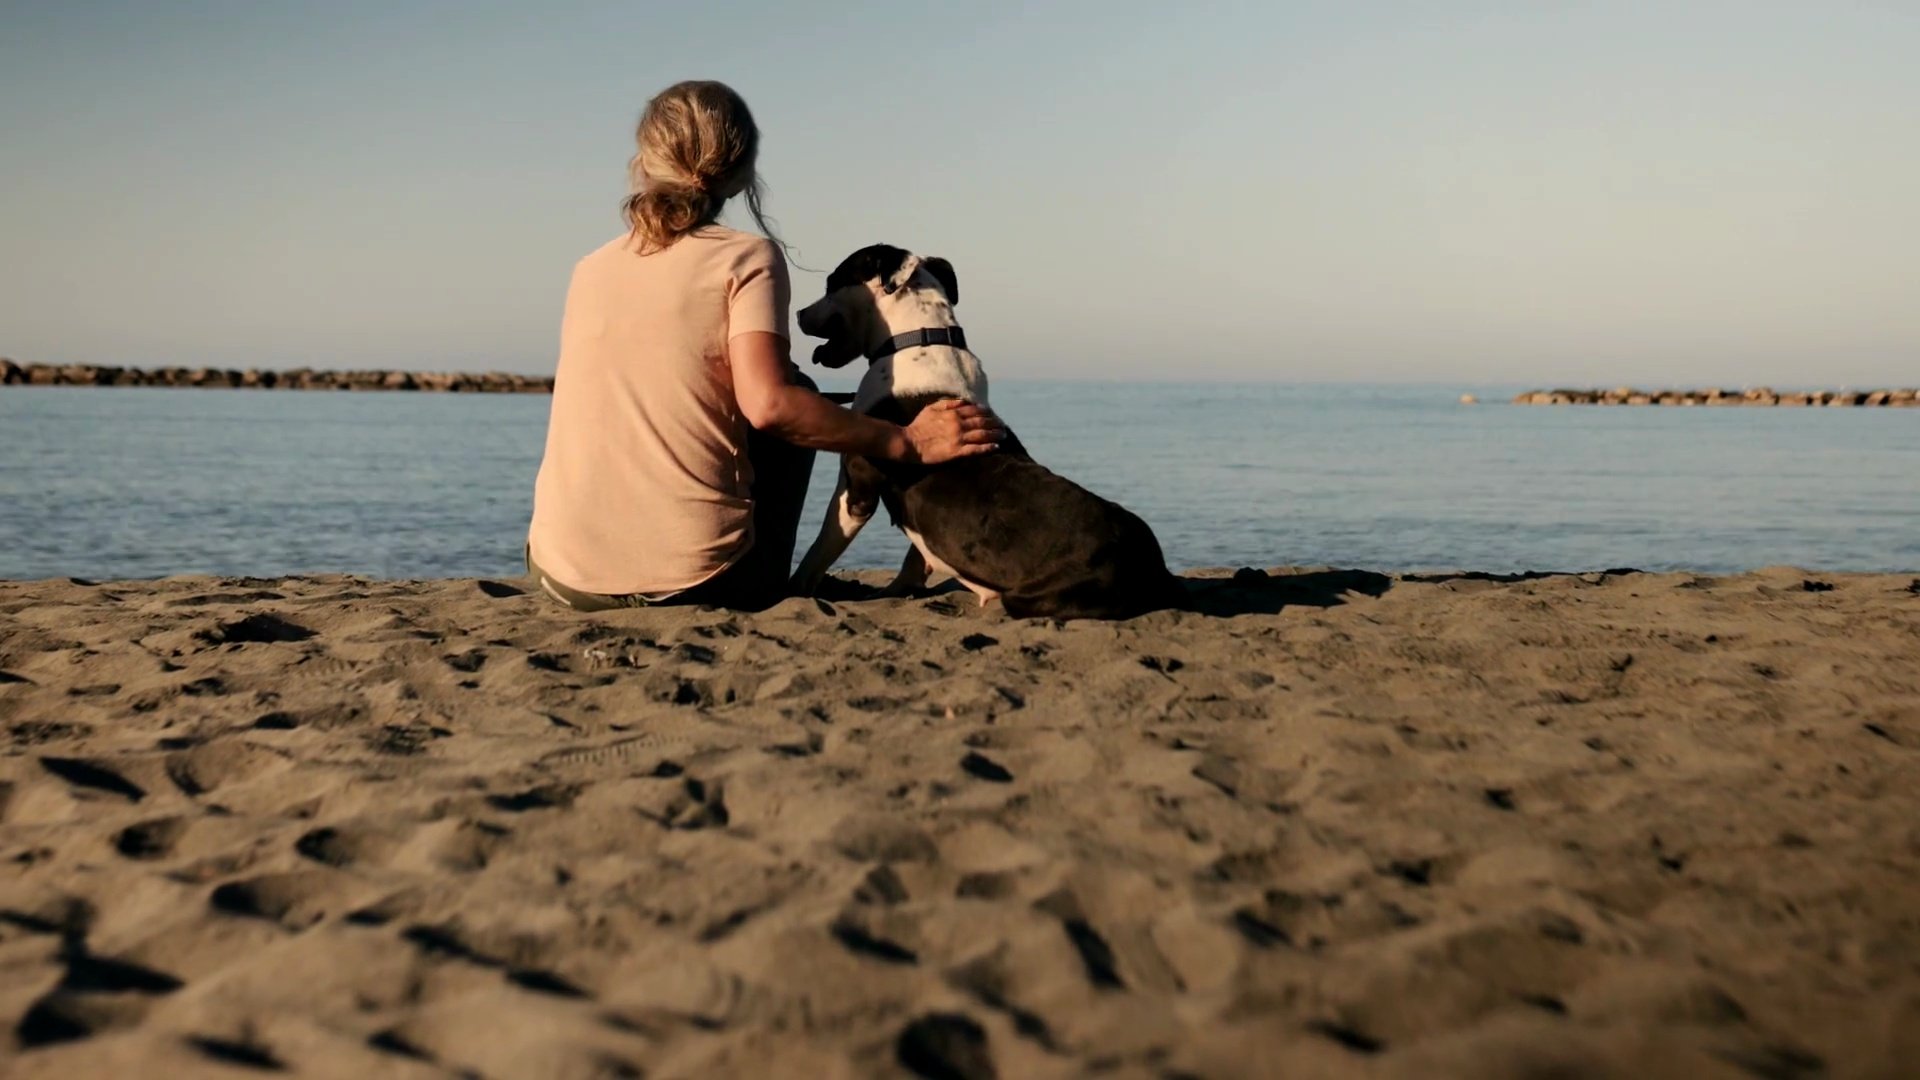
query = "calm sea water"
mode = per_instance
[{"x": 141, "y": 483}]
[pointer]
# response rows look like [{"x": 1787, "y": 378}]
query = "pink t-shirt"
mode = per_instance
[{"x": 644, "y": 484}]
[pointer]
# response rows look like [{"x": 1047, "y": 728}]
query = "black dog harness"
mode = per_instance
[{"x": 913, "y": 339}]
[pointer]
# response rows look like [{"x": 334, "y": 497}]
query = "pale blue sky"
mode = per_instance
[{"x": 1537, "y": 192}]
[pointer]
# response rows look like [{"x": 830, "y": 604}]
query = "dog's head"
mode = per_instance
[{"x": 870, "y": 292}]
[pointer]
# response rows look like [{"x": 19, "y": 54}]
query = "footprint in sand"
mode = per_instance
[
  {"x": 1096, "y": 955},
  {"x": 246, "y": 1052},
  {"x": 882, "y": 886},
  {"x": 982, "y": 767},
  {"x": 879, "y": 838},
  {"x": 258, "y": 628},
  {"x": 94, "y": 995},
  {"x": 467, "y": 662},
  {"x": 851, "y": 931},
  {"x": 295, "y": 899},
  {"x": 451, "y": 942},
  {"x": 216, "y": 764},
  {"x": 1245, "y": 781},
  {"x": 690, "y": 804},
  {"x": 92, "y": 776},
  {"x": 945, "y": 1046},
  {"x": 469, "y": 846},
  {"x": 404, "y": 740},
  {"x": 150, "y": 839},
  {"x": 350, "y": 843},
  {"x": 543, "y": 797}
]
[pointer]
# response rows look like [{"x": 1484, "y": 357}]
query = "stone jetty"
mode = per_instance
[
  {"x": 491, "y": 382},
  {"x": 1759, "y": 395}
]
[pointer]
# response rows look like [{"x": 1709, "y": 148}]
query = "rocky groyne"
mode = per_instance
[
  {"x": 491, "y": 382},
  {"x": 1759, "y": 395}
]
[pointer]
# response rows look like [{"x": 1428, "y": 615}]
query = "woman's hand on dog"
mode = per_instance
[{"x": 950, "y": 429}]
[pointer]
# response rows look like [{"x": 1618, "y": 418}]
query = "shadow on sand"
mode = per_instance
[
  {"x": 1247, "y": 592},
  {"x": 1510, "y": 579},
  {"x": 1256, "y": 592}
]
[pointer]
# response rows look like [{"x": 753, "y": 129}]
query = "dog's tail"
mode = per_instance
[
  {"x": 1161, "y": 591},
  {"x": 1168, "y": 593}
]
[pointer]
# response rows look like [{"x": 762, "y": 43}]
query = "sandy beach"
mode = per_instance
[{"x": 1333, "y": 824}]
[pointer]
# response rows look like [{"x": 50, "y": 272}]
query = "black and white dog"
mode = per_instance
[{"x": 1001, "y": 523}]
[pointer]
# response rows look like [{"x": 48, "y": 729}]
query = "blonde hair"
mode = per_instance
[{"x": 698, "y": 145}]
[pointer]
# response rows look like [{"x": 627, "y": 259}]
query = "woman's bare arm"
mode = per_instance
[{"x": 942, "y": 432}]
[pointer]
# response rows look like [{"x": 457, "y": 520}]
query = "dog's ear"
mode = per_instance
[
  {"x": 875, "y": 261},
  {"x": 901, "y": 274},
  {"x": 942, "y": 272}
]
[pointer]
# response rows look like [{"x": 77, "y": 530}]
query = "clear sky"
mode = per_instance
[{"x": 1679, "y": 192}]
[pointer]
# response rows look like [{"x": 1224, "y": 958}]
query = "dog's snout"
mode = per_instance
[
  {"x": 822, "y": 319},
  {"x": 816, "y": 319}
]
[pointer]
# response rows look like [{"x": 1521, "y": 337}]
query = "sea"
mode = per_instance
[{"x": 138, "y": 483}]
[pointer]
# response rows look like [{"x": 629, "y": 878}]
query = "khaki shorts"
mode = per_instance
[{"x": 585, "y": 601}]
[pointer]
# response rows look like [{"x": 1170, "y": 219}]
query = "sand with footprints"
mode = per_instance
[{"x": 1332, "y": 824}]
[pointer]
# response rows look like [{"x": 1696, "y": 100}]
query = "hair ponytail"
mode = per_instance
[
  {"x": 698, "y": 146},
  {"x": 659, "y": 214}
]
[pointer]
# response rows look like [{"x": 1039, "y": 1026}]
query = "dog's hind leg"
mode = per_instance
[
  {"x": 846, "y": 515},
  {"x": 929, "y": 562},
  {"x": 912, "y": 576}
]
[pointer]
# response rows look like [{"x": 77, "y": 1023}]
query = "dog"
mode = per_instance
[{"x": 1003, "y": 525}]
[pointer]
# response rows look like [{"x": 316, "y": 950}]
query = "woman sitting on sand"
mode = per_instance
[{"x": 681, "y": 437}]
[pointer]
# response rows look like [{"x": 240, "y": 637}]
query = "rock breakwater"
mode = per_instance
[
  {"x": 491, "y": 382},
  {"x": 1759, "y": 395}
]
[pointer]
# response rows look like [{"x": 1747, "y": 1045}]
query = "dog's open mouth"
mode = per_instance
[
  {"x": 835, "y": 352},
  {"x": 839, "y": 348}
]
